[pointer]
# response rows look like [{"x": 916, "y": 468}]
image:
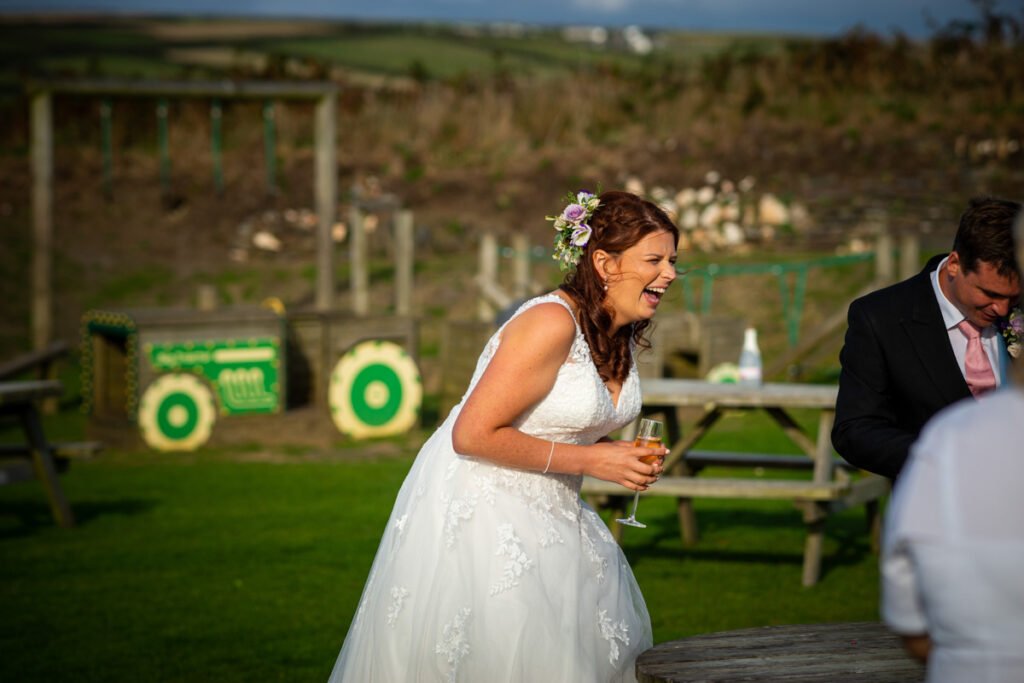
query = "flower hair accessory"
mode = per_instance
[
  {"x": 573, "y": 230},
  {"x": 1012, "y": 328}
]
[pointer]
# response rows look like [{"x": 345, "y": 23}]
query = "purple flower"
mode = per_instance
[
  {"x": 574, "y": 213},
  {"x": 581, "y": 235},
  {"x": 1017, "y": 324}
]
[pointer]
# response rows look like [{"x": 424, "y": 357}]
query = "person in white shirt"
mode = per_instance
[{"x": 953, "y": 547}]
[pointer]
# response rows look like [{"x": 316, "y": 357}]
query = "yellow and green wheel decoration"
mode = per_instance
[
  {"x": 176, "y": 413},
  {"x": 375, "y": 390}
]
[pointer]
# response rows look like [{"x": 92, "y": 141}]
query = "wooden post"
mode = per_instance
[
  {"x": 206, "y": 298},
  {"x": 403, "y": 262},
  {"x": 326, "y": 198},
  {"x": 884, "y": 266},
  {"x": 488, "y": 273},
  {"x": 910, "y": 256},
  {"x": 42, "y": 219},
  {"x": 521, "y": 267},
  {"x": 359, "y": 271}
]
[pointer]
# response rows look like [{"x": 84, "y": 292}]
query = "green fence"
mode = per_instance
[{"x": 792, "y": 279}]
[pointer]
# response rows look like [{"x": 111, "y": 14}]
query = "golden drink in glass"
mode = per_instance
[{"x": 647, "y": 436}]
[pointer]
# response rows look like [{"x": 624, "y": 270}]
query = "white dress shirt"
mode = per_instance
[
  {"x": 990, "y": 337},
  {"x": 953, "y": 549}
]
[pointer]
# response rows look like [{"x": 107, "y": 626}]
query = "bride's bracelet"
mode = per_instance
[{"x": 550, "y": 453}]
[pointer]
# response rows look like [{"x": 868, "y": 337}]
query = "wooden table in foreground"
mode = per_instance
[
  {"x": 829, "y": 489},
  {"x": 21, "y": 399},
  {"x": 860, "y": 652}
]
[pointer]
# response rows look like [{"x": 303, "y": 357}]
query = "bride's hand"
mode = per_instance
[{"x": 620, "y": 462}]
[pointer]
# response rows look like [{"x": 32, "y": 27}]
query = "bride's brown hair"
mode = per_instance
[{"x": 621, "y": 220}]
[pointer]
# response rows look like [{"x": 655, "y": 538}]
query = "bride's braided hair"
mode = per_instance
[{"x": 621, "y": 220}]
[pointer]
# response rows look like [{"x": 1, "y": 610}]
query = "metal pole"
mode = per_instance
[
  {"x": 42, "y": 218},
  {"x": 326, "y": 198}
]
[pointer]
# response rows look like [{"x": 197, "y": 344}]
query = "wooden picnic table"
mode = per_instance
[
  {"x": 829, "y": 489},
  {"x": 857, "y": 652},
  {"x": 35, "y": 459}
]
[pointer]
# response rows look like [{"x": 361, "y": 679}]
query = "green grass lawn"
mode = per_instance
[{"x": 221, "y": 566}]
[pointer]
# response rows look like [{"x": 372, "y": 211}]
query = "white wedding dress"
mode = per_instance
[{"x": 488, "y": 574}]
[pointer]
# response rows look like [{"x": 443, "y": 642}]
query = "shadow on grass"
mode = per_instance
[
  {"x": 849, "y": 536},
  {"x": 33, "y": 517}
]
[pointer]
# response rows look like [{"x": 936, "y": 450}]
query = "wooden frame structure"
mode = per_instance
[{"x": 41, "y": 121}]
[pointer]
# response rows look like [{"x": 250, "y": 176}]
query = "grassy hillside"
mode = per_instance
[{"x": 479, "y": 130}]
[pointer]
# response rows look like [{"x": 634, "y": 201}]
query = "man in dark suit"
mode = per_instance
[{"x": 907, "y": 346}]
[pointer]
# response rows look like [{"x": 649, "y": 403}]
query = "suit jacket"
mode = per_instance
[{"x": 898, "y": 370}]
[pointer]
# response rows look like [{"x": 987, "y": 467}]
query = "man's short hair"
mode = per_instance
[{"x": 986, "y": 234}]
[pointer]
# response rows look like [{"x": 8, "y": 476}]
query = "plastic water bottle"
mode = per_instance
[{"x": 750, "y": 359}]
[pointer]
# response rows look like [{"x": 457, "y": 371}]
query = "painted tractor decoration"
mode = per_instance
[{"x": 183, "y": 376}]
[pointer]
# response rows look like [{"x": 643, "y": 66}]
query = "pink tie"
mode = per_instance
[{"x": 978, "y": 370}]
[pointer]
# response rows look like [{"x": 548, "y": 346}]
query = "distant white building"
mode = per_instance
[
  {"x": 637, "y": 41},
  {"x": 593, "y": 35}
]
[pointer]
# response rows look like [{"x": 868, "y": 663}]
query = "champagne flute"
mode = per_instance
[{"x": 647, "y": 436}]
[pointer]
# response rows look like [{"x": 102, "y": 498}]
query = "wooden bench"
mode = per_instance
[
  {"x": 852, "y": 652},
  {"x": 699, "y": 459},
  {"x": 16, "y": 464},
  {"x": 833, "y": 485},
  {"x": 36, "y": 458},
  {"x": 42, "y": 361}
]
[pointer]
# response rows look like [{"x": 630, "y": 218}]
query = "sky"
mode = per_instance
[{"x": 817, "y": 17}]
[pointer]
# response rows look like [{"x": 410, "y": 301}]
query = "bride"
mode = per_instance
[{"x": 491, "y": 568}]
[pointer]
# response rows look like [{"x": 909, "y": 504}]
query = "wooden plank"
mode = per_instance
[
  {"x": 45, "y": 468},
  {"x": 42, "y": 218},
  {"x": 18, "y": 470},
  {"x": 704, "y": 458},
  {"x": 20, "y": 393},
  {"x": 359, "y": 262},
  {"x": 326, "y": 191},
  {"x": 35, "y": 359},
  {"x": 221, "y": 88},
  {"x": 404, "y": 256},
  {"x": 71, "y": 449},
  {"x": 858, "y": 652},
  {"x": 862, "y": 491},
  {"x": 706, "y": 487},
  {"x": 688, "y": 392}
]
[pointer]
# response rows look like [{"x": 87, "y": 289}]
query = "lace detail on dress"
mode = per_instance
[
  {"x": 457, "y": 510},
  {"x": 400, "y": 526},
  {"x": 510, "y": 546},
  {"x": 398, "y": 596},
  {"x": 579, "y": 408},
  {"x": 591, "y": 549},
  {"x": 454, "y": 645},
  {"x": 613, "y": 632}
]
